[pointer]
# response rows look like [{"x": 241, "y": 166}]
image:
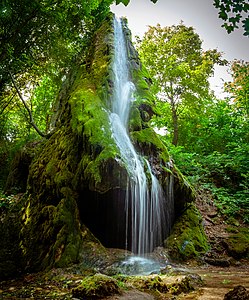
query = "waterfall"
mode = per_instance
[{"x": 146, "y": 214}]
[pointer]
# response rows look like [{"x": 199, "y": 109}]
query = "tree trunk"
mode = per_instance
[{"x": 175, "y": 124}]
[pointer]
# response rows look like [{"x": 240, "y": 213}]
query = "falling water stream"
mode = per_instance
[{"x": 145, "y": 199}]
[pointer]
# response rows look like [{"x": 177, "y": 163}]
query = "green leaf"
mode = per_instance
[
  {"x": 246, "y": 26},
  {"x": 125, "y": 2},
  {"x": 223, "y": 15}
]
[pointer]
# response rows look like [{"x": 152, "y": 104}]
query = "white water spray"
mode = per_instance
[{"x": 145, "y": 203}]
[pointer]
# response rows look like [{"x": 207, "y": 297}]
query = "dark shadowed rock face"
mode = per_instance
[
  {"x": 19, "y": 169},
  {"x": 11, "y": 262}
]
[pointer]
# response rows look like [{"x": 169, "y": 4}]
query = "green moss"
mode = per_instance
[
  {"x": 90, "y": 117},
  {"x": 237, "y": 244},
  {"x": 135, "y": 122},
  {"x": 161, "y": 286},
  {"x": 51, "y": 167},
  {"x": 154, "y": 284},
  {"x": 142, "y": 78},
  {"x": 96, "y": 286},
  {"x": 51, "y": 234},
  {"x": 187, "y": 239},
  {"x": 186, "y": 285},
  {"x": 147, "y": 139}
]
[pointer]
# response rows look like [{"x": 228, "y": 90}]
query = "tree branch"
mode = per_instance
[{"x": 31, "y": 120}]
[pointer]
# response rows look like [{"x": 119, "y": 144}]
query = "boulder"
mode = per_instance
[{"x": 238, "y": 293}]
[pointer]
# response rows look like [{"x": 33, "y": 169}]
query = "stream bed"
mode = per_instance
[{"x": 59, "y": 283}]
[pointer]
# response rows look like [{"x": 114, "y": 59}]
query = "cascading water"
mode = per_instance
[{"x": 146, "y": 214}]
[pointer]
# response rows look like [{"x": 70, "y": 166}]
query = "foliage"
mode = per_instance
[
  {"x": 232, "y": 13},
  {"x": 180, "y": 70},
  {"x": 39, "y": 43},
  {"x": 214, "y": 151},
  {"x": 239, "y": 87},
  {"x": 219, "y": 126},
  {"x": 32, "y": 33},
  {"x": 226, "y": 175},
  {"x": 126, "y": 2},
  {"x": 5, "y": 200}
]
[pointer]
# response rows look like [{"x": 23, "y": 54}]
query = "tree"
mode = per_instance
[
  {"x": 239, "y": 87},
  {"x": 179, "y": 67},
  {"x": 214, "y": 151},
  {"x": 42, "y": 38}
]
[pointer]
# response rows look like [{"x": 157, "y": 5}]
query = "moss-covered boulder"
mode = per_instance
[
  {"x": 237, "y": 244},
  {"x": 187, "y": 240},
  {"x": 96, "y": 287}
]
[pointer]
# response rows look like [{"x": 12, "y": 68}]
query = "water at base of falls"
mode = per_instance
[
  {"x": 137, "y": 265},
  {"x": 146, "y": 215}
]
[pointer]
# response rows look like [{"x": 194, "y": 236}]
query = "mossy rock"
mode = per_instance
[
  {"x": 149, "y": 142},
  {"x": 80, "y": 163},
  {"x": 237, "y": 244},
  {"x": 186, "y": 285},
  {"x": 96, "y": 286},
  {"x": 19, "y": 168},
  {"x": 188, "y": 239},
  {"x": 11, "y": 262},
  {"x": 50, "y": 234},
  {"x": 154, "y": 284},
  {"x": 160, "y": 285}
]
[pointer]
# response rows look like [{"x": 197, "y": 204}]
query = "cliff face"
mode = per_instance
[{"x": 76, "y": 179}]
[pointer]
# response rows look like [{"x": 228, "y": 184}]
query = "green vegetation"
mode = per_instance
[
  {"x": 233, "y": 13},
  {"x": 187, "y": 239},
  {"x": 207, "y": 137},
  {"x": 160, "y": 285},
  {"x": 96, "y": 286},
  {"x": 55, "y": 83},
  {"x": 211, "y": 134},
  {"x": 180, "y": 70},
  {"x": 40, "y": 43},
  {"x": 238, "y": 243}
]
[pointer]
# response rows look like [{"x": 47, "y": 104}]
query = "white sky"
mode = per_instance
[{"x": 202, "y": 15}]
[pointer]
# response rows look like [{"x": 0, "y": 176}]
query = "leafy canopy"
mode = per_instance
[
  {"x": 39, "y": 42},
  {"x": 33, "y": 32},
  {"x": 179, "y": 67},
  {"x": 239, "y": 87},
  {"x": 214, "y": 151}
]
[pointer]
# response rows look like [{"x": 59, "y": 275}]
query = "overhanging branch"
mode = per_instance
[{"x": 31, "y": 119}]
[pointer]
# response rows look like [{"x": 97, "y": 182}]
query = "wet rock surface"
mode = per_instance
[{"x": 238, "y": 293}]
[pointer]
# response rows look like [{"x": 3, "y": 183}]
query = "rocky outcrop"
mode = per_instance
[
  {"x": 187, "y": 240},
  {"x": 16, "y": 181},
  {"x": 76, "y": 181}
]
